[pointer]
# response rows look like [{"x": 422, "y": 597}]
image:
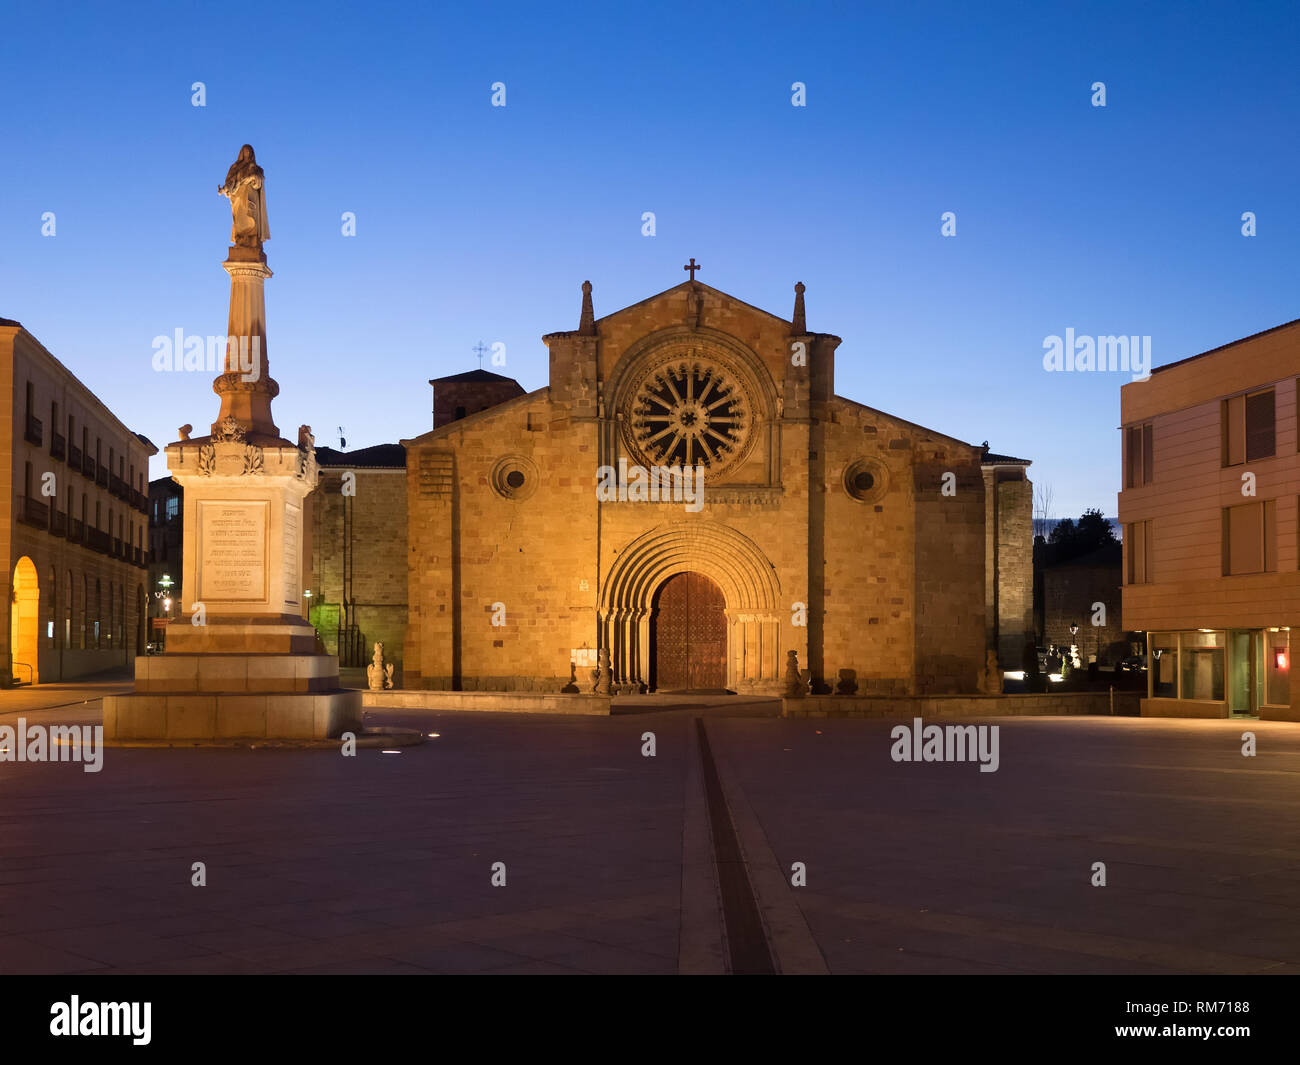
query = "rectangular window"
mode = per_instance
[
  {"x": 1137, "y": 551},
  {"x": 174, "y": 507},
  {"x": 1248, "y": 427},
  {"x": 1139, "y": 466},
  {"x": 1259, "y": 426},
  {"x": 1163, "y": 664},
  {"x": 1201, "y": 675},
  {"x": 1250, "y": 538}
]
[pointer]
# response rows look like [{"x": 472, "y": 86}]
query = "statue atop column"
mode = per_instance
[{"x": 245, "y": 188}]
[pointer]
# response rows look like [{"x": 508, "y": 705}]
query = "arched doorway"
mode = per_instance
[
  {"x": 25, "y": 622},
  {"x": 733, "y": 562},
  {"x": 688, "y": 634}
]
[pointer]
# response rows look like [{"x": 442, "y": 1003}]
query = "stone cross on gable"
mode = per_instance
[
  {"x": 692, "y": 266},
  {"x": 480, "y": 349}
]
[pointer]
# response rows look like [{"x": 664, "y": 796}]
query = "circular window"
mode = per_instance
[
  {"x": 692, "y": 406},
  {"x": 514, "y": 477},
  {"x": 866, "y": 480}
]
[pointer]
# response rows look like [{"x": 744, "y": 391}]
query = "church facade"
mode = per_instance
[{"x": 690, "y": 496}]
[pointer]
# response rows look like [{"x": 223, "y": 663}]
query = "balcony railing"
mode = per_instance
[
  {"x": 139, "y": 558},
  {"x": 59, "y": 522},
  {"x": 88, "y": 467},
  {"x": 101, "y": 477},
  {"x": 140, "y": 500},
  {"x": 115, "y": 485},
  {"x": 97, "y": 540},
  {"x": 58, "y": 446},
  {"x": 74, "y": 457},
  {"x": 34, "y": 433},
  {"x": 33, "y": 512},
  {"x": 76, "y": 528},
  {"x": 117, "y": 547}
]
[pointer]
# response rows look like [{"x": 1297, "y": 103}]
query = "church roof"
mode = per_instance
[
  {"x": 10, "y": 321},
  {"x": 376, "y": 457},
  {"x": 903, "y": 421},
  {"x": 472, "y": 375},
  {"x": 992, "y": 458}
]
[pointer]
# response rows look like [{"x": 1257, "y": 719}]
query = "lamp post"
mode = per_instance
[{"x": 164, "y": 594}]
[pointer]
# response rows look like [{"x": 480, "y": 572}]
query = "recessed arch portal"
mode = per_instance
[{"x": 726, "y": 557}]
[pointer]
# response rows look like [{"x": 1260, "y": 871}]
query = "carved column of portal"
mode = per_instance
[{"x": 640, "y": 633}]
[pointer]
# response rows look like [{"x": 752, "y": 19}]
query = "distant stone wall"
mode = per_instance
[{"x": 1069, "y": 593}]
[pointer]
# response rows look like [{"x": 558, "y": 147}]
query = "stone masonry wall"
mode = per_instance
[{"x": 379, "y": 550}]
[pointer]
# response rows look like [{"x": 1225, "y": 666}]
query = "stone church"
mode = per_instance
[{"x": 690, "y": 495}]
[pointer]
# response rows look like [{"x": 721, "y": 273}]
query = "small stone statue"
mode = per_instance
[
  {"x": 245, "y": 188},
  {"x": 794, "y": 683},
  {"x": 305, "y": 439},
  {"x": 601, "y": 676},
  {"x": 379, "y": 672},
  {"x": 848, "y": 682},
  {"x": 185, "y": 431}
]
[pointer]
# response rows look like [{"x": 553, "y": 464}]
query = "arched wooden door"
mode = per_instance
[{"x": 689, "y": 634}]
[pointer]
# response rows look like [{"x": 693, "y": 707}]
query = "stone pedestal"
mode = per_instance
[{"x": 241, "y": 662}]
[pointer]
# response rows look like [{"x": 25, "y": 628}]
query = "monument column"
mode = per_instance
[
  {"x": 241, "y": 661},
  {"x": 246, "y": 388}
]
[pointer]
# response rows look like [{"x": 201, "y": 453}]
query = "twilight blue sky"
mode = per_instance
[{"x": 480, "y": 223}]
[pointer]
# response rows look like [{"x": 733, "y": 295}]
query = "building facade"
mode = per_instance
[
  {"x": 1209, "y": 508},
  {"x": 73, "y": 524},
  {"x": 564, "y": 523}
]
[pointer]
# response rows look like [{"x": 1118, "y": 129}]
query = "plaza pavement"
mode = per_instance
[{"x": 382, "y": 863}]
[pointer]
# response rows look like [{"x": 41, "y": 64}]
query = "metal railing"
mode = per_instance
[{"x": 33, "y": 512}]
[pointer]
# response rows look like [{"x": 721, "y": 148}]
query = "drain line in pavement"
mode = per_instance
[{"x": 746, "y": 940}]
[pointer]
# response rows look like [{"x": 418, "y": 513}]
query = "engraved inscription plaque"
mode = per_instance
[
  {"x": 292, "y": 555},
  {"x": 232, "y": 551}
]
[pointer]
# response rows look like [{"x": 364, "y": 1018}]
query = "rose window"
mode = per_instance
[{"x": 690, "y": 414}]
